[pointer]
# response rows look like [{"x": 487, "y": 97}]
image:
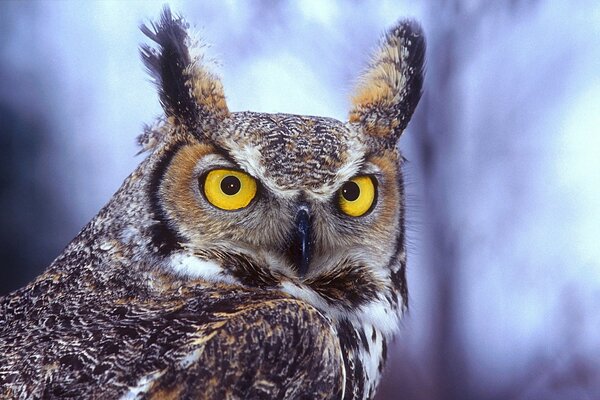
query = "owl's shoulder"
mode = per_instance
[{"x": 260, "y": 346}]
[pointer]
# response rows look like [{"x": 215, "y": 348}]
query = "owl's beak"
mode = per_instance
[{"x": 300, "y": 246}]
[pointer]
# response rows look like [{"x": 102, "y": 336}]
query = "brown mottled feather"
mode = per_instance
[{"x": 98, "y": 344}]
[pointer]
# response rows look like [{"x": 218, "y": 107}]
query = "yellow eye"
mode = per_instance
[
  {"x": 228, "y": 189},
  {"x": 357, "y": 196}
]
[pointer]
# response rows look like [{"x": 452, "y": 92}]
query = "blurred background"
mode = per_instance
[{"x": 503, "y": 172}]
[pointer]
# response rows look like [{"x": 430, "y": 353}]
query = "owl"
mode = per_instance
[{"x": 249, "y": 256}]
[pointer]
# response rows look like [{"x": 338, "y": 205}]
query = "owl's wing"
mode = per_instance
[
  {"x": 277, "y": 349},
  {"x": 212, "y": 342}
]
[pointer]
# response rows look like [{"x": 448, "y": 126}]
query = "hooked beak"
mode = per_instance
[{"x": 300, "y": 246}]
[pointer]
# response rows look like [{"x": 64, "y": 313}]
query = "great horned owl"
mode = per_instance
[{"x": 250, "y": 255}]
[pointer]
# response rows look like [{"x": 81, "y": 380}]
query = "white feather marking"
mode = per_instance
[
  {"x": 380, "y": 315},
  {"x": 191, "y": 358},
  {"x": 192, "y": 266},
  {"x": 248, "y": 157},
  {"x": 142, "y": 386}
]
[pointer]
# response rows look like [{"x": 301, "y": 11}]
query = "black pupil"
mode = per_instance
[
  {"x": 230, "y": 185},
  {"x": 350, "y": 191}
]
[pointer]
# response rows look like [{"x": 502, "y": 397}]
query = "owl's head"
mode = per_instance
[{"x": 309, "y": 205}]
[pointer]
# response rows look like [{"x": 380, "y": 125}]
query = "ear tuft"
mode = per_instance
[
  {"x": 390, "y": 89},
  {"x": 188, "y": 92}
]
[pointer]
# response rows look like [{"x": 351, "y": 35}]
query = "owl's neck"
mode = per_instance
[{"x": 350, "y": 293}]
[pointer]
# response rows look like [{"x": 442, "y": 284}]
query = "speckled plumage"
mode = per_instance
[{"x": 164, "y": 296}]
